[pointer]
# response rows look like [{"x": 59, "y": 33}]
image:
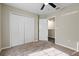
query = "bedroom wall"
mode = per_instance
[
  {"x": 67, "y": 27},
  {"x": 5, "y": 23}
]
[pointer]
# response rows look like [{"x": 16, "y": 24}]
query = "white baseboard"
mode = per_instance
[
  {"x": 5, "y": 48},
  {"x": 67, "y": 47}
]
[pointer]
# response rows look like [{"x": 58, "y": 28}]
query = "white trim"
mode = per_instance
[
  {"x": 5, "y": 48},
  {"x": 66, "y": 46}
]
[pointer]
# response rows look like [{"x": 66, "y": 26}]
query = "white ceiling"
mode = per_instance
[{"x": 35, "y": 7}]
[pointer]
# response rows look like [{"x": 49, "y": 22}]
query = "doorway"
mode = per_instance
[{"x": 51, "y": 29}]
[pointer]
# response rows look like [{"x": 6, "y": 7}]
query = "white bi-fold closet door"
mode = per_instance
[
  {"x": 21, "y": 30},
  {"x": 29, "y": 30}
]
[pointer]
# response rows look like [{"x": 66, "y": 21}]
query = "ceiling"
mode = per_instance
[{"x": 35, "y": 7}]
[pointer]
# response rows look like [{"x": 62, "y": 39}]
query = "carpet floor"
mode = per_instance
[{"x": 40, "y": 48}]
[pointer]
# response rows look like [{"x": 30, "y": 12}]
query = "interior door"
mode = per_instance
[
  {"x": 43, "y": 29},
  {"x": 16, "y": 30},
  {"x": 29, "y": 30}
]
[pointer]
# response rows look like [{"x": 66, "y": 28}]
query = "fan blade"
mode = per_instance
[
  {"x": 53, "y": 5},
  {"x": 43, "y": 7}
]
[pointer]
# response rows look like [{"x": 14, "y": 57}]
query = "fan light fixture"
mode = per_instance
[{"x": 51, "y": 4}]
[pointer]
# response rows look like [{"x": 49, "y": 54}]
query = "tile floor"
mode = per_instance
[{"x": 40, "y": 48}]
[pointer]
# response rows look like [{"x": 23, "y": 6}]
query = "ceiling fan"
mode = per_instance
[{"x": 51, "y": 4}]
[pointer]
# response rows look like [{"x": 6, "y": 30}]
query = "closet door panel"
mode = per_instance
[
  {"x": 16, "y": 30},
  {"x": 29, "y": 30}
]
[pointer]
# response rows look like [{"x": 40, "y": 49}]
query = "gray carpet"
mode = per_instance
[{"x": 40, "y": 48}]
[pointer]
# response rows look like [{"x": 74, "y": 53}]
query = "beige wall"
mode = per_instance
[
  {"x": 67, "y": 25},
  {"x": 0, "y": 27},
  {"x": 5, "y": 23}
]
